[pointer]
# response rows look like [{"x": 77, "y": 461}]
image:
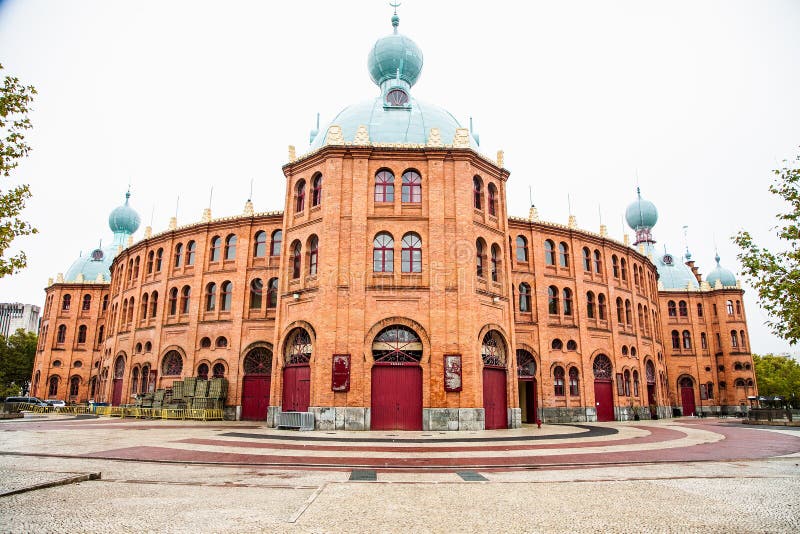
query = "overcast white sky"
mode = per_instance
[{"x": 699, "y": 98}]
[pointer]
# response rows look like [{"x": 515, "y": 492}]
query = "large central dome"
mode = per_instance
[{"x": 394, "y": 64}]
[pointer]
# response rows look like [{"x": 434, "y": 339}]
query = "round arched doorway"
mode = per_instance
[
  {"x": 650, "y": 377},
  {"x": 396, "y": 380},
  {"x": 257, "y": 367},
  {"x": 297, "y": 371},
  {"x": 119, "y": 373},
  {"x": 603, "y": 394},
  {"x": 526, "y": 374},
  {"x": 686, "y": 386},
  {"x": 495, "y": 405}
]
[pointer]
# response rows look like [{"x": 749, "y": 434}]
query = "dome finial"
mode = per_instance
[{"x": 395, "y": 18}]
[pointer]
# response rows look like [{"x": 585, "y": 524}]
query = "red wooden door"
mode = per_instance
[
  {"x": 396, "y": 397},
  {"x": 604, "y": 400},
  {"x": 116, "y": 396},
  {"x": 687, "y": 400},
  {"x": 296, "y": 388},
  {"x": 255, "y": 397},
  {"x": 494, "y": 398}
]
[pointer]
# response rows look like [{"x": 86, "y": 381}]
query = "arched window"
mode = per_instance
[
  {"x": 574, "y": 391},
  {"x": 211, "y": 296},
  {"x": 636, "y": 383},
  {"x": 87, "y": 302},
  {"x": 205, "y": 342},
  {"x": 615, "y": 265},
  {"x": 624, "y": 350},
  {"x": 384, "y": 186},
  {"x": 620, "y": 311},
  {"x": 202, "y": 371},
  {"x": 298, "y": 347},
  {"x": 272, "y": 293},
  {"x": 552, "y": 300},
  {"x": 526, "y": 364},
  {"x": 699, "y": 309},
  {"x": 627, "y": 383},
  {"x": 256, "y": 293},
  {"x": 590, "y": 305},
  {"x": 522, "y": 249},
  {"x": 258, "y": 362},
  {"x": 313, "y": 255},
  {"x": 74, "y": 384},
  {"x": 316, "y": 193},
  {"x": 173, "y": 301},
  {"x": 218, "y": 371},
  {"x": 601, "y": 306},
  {"x": 172, "y": 364},
  {"x": 557, "y": 344},
  {"x": 636, "y": 275},
  {"x": 524, "y": 297},
  {"x": 135, "y": 381},
  {"x": 145, "y": 378},
  {"x": 260, "y": 244},
  {"x": 672, "y": 311},
  {"x": 130, "y": 310},
  {"x": 628, "y": 319},
  {"x": 623, "y": 269},
  {"x": 750, "y": 382},
  {"x": 598, "y": 262},
  {"x": 191, "y": 248},
  {"x": 100, "y": 332},
  {"x": 230, "y": 247},
  {"x": 383, "y": 253},
  {"x": 159, "y": 261},
  {"x": 734, "y": 339},
  {"x": 104, "y": 307},
  {"x": 703, "y": 340},
  {"x": 397, "y": 344},
  {"x": 563, "y": 254},
  {"x": 738, "y": 307},
  {"x": 741, "y": 338},
  {"x": 300, "y": 196},
  {"x": 710, "y": 390},
  {"x": 82, "y": 334},
  {"x": 275, "y": 247},
  {"x": 411, "y": 253},
  {"x": 729, "y": 307},
  {"x": 558, "y": 381},
  {"x": 148, "y": 347},
  {"x": 216, "y": 245},
  {"x": 602, "y": 368},
  {"x": 640, "y": 316},
  {"x": 226, "y": 296},
  {"x": 491, "y": 199},
  {"x": 676, "y": 340},
  {"x": 495, "y": 262},
  {"x": 549, "y": 252},
  {"x": 687, "y": 340},
  {"x": 480, "y": 254},
  {"x": 477, "y": 192},
  {"x": 61, "y": 337},
  {"x": 178, "y": 254},
  {"x": 144, "y": 306},
  {"x": 185, "y": 294},
  {"x": 683, "y": 310},
  {"x": 221, "y": 342},
  {"x": 297, "y": 253},
  {"x": 412, "y": 187},
  {"x": 136, "y": 269},
  {"x": 493, "y": 350},
  {"x": 567, "y": 298},
  {"x": 572, "y": 345},
  {"x": 587, "y": 260},
  {"x": 150, "y": 261},
  {"x": 52, "y": 389},
  {"x": 153, "y": 303},
  {"x": 65, "y": 302}
]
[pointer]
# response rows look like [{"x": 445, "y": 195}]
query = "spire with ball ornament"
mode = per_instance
[
  {"x": 394, "y": 64},
  {"x": 642, "y": 215}
]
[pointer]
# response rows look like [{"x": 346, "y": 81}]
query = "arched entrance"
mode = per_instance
[
  {"x": 686, "y": 385},
  {"x": 257, "y": 367},
  {"x": 297, "y": 371},
  {"x": 650, "y": 376},
  {"x": 603, "y": 394},
  {"x": 119, "y": 373},
  {"x": 495, "y": 406},
  {"x": 526, "y": 374},
  {"x": 396, "y": 380}
]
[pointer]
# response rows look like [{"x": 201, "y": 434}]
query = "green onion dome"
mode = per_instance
[
  {"x": 721, "y": 274},
  {"x": 124, "y": 219},
  {"x": 641, "y": 213}
]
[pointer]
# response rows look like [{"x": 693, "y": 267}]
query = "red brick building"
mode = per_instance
[{"x": 395, "y": 292}]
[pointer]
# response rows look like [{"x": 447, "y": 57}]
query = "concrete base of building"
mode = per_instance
[{"x": 584, "y": 414}]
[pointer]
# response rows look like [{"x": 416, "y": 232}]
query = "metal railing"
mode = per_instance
[{"x": 299, "y": 420}]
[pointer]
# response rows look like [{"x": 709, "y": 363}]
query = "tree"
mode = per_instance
[
  {"x": 776, "y": 275},
  {"x": 778, "y": 375},
  {"x": 15, "y": 100},
  {"x": 16, "y": 362}
]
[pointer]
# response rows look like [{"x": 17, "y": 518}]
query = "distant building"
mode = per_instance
[{"x": 15, "y": 315}]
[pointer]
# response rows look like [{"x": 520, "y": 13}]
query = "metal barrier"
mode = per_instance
[
  {"x": 298, "y": 420},
  {"x": 131, "y": 411}
]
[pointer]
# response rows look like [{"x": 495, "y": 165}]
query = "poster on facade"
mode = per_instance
[
  {"x": 340, "y": 379},
  {"x": 452, "y": 372}
]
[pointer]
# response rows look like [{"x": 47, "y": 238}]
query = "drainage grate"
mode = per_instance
[
  {"x": 364, "y": 475},
  {"x": 471, "y": 476}
]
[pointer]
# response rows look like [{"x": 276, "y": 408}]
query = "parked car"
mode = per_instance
[
  {"x": 26, "y": 400},
  {"x": 54, "y": 403}
]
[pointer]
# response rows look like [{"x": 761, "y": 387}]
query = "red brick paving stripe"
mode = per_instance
[{"x": 656, "y": 435}]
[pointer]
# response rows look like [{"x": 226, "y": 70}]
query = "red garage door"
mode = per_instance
[
  {"x": 296, "y": 388},
  {"x": 604, "y": 400},
  {"x": 255, "y": 397},
  {"x": 494, "y": 398},
  {"x": 396, "y": 397}
]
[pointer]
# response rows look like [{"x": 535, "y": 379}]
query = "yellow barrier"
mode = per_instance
[{"x": 206, "y": 414}]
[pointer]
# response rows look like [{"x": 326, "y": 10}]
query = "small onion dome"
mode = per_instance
[
  {"x": 94, "y": 263},
  {"x": 124, "y": 219},
  {"x": 674, "y": 274},
  {"x": 394, "y": 55},
  {"x": 722, "y": 274},
  {"x": 641, "y": 213}
]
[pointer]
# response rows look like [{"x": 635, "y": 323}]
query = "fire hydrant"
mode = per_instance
[{"x": 538, "y": 423}]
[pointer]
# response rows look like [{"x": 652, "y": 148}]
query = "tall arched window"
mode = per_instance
[
  {"x": 82, "y": 334},
  {"x": 480, "y": 254},
  {"x": 313, "y": 255},
  {"x": 260, "y": 244},
  {"x": 191, "y": 249},
  {"x": 549, "y": 252},
  {"x": 636, "y": 383},
  {"x": 172, "y": 365},
  {"x": 627, "y": 383},
  {"x": 687, "y": 340},
  {"x": 729, "y": 307},
  {"x": 226, "y": 296},
  {"x": 563, "y": 254},
  {"x": 493, "y": 352},
  {"x": 552, "y": 300},
  {"x": 185, "y": 294},
  {"x": 412, "y": 187},
  {"x": 672, "y": 311},
  {"x": 100, "y": 332},
  {"x": 52, "y": 389},
  {"x": 150, "y": 262},
  {"x": 300, "y": 196},
  {"x": 230, "y": 247},
  {"x": 66, "y": 300},
  {"x": 136, "y": 268},
  {"x": 567, "y": 298},
  {"x": 526, "y": 364},
  {"x": 495, "y": 262},
  {"x": 298, "y": 347},
  {"x": 383, "y": 253},
  {"x": 104, "y": 306},
  {"x": 297, "y": 253},
  {"x": 173, "y": 301},
  {"x": 574, "y": 390},
  {"x": 87, "y": 302},
  {"x": 159, "y": 262},
  {"x": 524, "y": 297},
  {"x": 477, "y": 192},
  {"x": 590, "y": 305},
  {"x": 153, "y": 303},
  {"x": 628, "y": 318},
  {"x": 587, "y": 260},
  {"x": 522, "y": 249},
  {"x": 601, "y": 306},
  {"x": 411, "y": 253},
  {"x": 135, "y": 381},
  {"x": 218, "y": 371},
  {"x": 145, "y": 377},
  {"x": 202, "y": 371},
  {"x": 683, "y": 310},
  {"x": 272, "y": 293},
  {"x": 738, "y": 307},
  {"x": 384, "y": 186},
  {"x": 558, "y": 381},
  {"x": 598, "y": 262},
  {"x": 491, "y": 199},
  {"x": 145, "y": 306},
  {"x": 615, "y": 265},
  {"x": 74, "y": 385},
  {"x": 256, "y": 293},
  {"x": 623, "y": 269},
  {"x": 734, "y": 339},
  {"x": 178, "y": 254},
  {"x": 636, "y": 275},
  {"x": 741, "y": 338},
  {"x": 216, "y": 245},
  {"x": 676, "y": 340},
  {"x": 211, "y": 296},
  {"x": 640, "y": 316},
  {"x": 316, "y": 193},
  {"x": 620, "y": 311},
  {"x": 275, "y": 247}
]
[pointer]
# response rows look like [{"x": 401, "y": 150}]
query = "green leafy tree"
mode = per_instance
[
  {"x": 17, "y": 352},
  {"x": 15, "y": 101},
  {"x": 778, "y": 375},
  {"x": 776, "y": 275}
]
